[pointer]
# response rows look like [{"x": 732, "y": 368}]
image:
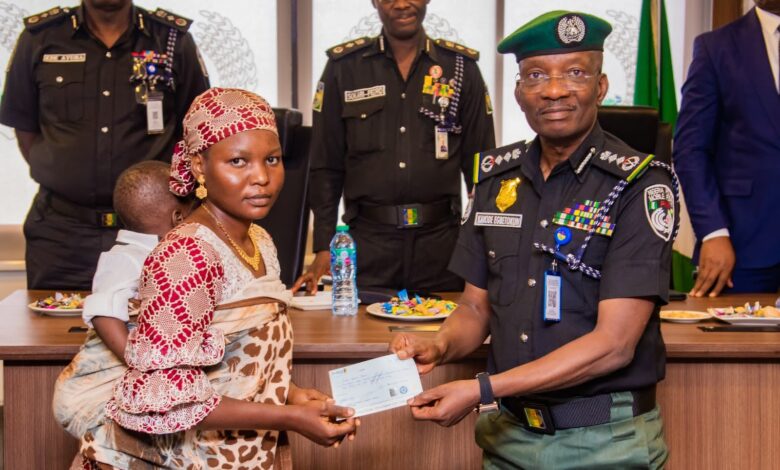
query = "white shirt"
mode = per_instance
[
  {"x": 769, "y": 23},
  {"x": 117, "y": 276}
]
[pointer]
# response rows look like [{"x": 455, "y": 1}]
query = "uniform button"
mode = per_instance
[
  {"x": 59, "y": 79},
  {"x": 523, "y": 337},
  {"x": 403, "y": 96},
  {"x": 363, "y": 116},
  {"x": 403, "y": 130},
  {"x": 106, "y": 93},
  {"x": 108, "y": 54},
  {"x": 491, "y": 254},
  {"x": 402, "y": 165},
  {"x": 104, "y": 129},
  {"x": 531, "y": 282},
  {"x": 544, "y": 223}
]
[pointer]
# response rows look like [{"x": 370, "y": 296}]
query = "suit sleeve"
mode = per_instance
[
  {"x": 695, "y": 143},
  {"x": 327, "y": 160},
  {"x": 19, "y": 108},
  {"x": 477, "y": 121}
]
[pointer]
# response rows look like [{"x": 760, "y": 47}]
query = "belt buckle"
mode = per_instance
[
  {"x": 537, "y": 418},
  {"x": 108, "y": 219},
  {"x": 409, "y": 216}
]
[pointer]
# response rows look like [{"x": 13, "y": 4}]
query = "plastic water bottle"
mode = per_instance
[{"x": 343, "y": 269}]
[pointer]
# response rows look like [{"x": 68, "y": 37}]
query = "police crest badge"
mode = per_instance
[
  {"x": 659, "y": 208},
  {"x": 507, "y": 195}
]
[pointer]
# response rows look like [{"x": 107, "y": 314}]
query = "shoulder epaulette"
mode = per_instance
[
  {"x": 494, "y": 162},
  {"x": 337, "y": 52},
  {"x": 459, "y": 48},
  {"x": 627, "y": 167},
  {"x": 170, "y": 19},
  {"x": 46, "y": 18}
]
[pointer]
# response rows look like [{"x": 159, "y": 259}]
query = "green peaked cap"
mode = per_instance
[{"x": 557, "y": 32}]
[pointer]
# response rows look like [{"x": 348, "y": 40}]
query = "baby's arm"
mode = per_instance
[{"x": 113, "y": 332}]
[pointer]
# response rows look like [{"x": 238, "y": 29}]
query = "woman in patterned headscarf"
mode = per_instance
[{"x": 210, "y": 360}]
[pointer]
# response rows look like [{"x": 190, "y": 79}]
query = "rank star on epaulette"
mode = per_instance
[
  {"x": 459, "y": 48},
  {"x": 348, "y": 47},
  {"x": 46, "y": 17},
  {"x": 627, "y": 168},
  {"x": 493, "y": 162},
  {"x": 172, "y": 20}
]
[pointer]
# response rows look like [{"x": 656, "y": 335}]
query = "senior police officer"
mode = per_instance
[
  {"x": 566, "y": 258},
  {"x": 90, "y": 91},
  {"x": 397, "y": 119}
]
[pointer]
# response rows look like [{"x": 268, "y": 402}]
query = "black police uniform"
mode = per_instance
[
  {"x": 76, "y": 94},
  {"x": 373, "y": 139},
  {"x": 631, "y": 250}
]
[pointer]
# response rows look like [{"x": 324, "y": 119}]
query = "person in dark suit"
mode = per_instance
[{"x": 727, "y": 153}]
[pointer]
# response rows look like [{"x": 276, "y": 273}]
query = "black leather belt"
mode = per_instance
[
  {"x": 408, "y": 215},
  {"x": 102, "y": 218},
  {"x": 545, "y": 418}
]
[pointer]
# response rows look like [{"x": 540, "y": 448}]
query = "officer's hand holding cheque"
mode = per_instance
[{"x": 565, "y": 253}]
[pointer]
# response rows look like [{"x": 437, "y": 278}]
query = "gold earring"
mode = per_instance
[{"x": 201, "y": 192}]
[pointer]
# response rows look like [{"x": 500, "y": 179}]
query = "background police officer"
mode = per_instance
[
  {"x": 397, "y": 119},
  {"x": 90, "y": 91},
  {"x": 566, "y": 259}
]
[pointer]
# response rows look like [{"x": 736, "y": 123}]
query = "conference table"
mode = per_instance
[{"x": 720, "y": 399}]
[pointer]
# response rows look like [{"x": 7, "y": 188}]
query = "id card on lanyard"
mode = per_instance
[
  {"x": 552, "y": 294},
  {"x": 442, "y": 143},
  {"x": 155, "y": 121}
]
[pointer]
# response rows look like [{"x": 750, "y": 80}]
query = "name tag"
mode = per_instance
[
  {"x": 64, "y": 58},
  {"x": 490, "y": 219},
  {"x": 350, "y": 96}
]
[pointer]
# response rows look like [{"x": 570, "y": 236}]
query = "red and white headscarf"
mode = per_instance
[{"x": 215, "y": 115}]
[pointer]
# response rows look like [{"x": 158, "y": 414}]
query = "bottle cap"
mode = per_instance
[{"x": 342, "y": 228}]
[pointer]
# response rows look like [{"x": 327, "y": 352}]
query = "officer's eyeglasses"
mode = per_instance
[{"x": 572, "y": 80}]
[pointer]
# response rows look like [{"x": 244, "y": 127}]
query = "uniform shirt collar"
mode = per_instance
[
  {"x": 581, "y": 157},
  {"x": 578, "y": 160},
  {"x": 137, "y": 14},
  {"x": 382, "y": 46}
]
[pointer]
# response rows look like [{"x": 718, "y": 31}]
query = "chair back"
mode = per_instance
[
  {"x": 288, "y": 221},
  {"x": 640, "y": 128}
]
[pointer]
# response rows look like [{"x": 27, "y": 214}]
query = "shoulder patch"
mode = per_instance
[
  {"x": 46, "y": 18},
  {"x": 659, "y": 209},
  {"x": 171, "y": 19},
  {"x": 494, "y": 162},
  {"x": 626, "y": 167},
  {"x": 459, "y": 48},
  {"x": 337, "y": 52}
]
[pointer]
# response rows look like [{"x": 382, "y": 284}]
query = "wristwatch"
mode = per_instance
[{"x": 487, "y": 402}]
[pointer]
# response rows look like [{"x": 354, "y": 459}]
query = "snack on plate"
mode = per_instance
[
  {"x": 745, "y": 310},
  {"x": 683, "y": 315},
  {"x": 417, "y": 306},
  {"x": 61, "y": 301},
  {"x": 768, "y": 312}
]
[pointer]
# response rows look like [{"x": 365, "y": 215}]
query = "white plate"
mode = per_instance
[
  {"x": 376, "y": 310},
  {"x": 56, "y": 312},
  {"x": 742, "y": 319},
  {"x": 695, "y": 316}
]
